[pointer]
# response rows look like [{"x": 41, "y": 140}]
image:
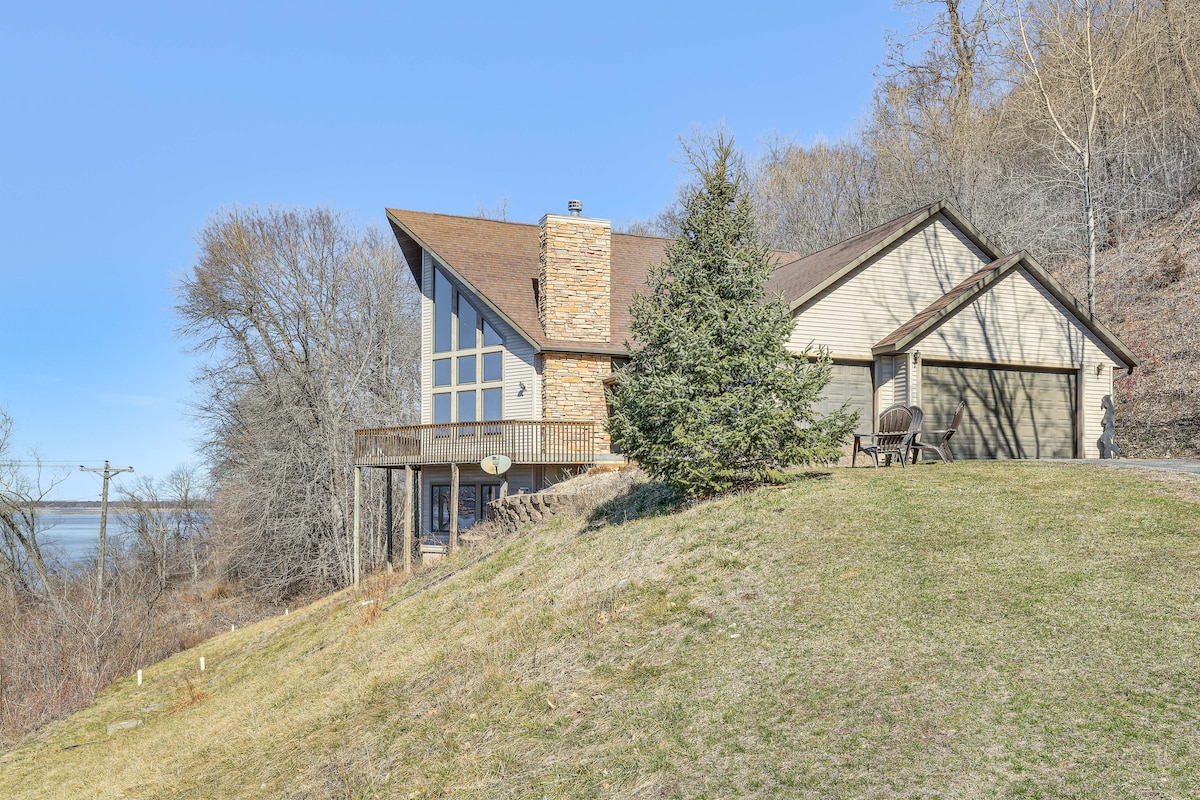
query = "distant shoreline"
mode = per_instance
[{"x": 93, "y": 507}]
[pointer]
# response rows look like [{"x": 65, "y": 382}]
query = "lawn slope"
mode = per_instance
[{"x": 973, "y": 630}]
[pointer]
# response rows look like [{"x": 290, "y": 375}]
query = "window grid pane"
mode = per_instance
[
  {"x": 492, "y": 404},
  {"x": 468, "y": 325},
  {"x": 466, "y": 507},
  {"x": 491, "y": 338},
  {"x": 442, "y": 308},
  {"x": 493, "y": 366},
  {"x": 441, "y": 372},
  {"x": 439, "y": 512},
  {"x": 441, "y": 407},
  {"x": 466, "y": 406},
  {"x": 466, "y": 369}
]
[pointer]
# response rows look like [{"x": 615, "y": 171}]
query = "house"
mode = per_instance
[{"x": 522, "y": 324}]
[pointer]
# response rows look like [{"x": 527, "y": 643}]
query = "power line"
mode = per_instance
[{"x": 67, "y": 463}]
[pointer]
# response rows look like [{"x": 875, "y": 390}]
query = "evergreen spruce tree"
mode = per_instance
[{"x": 711, "y": 398}]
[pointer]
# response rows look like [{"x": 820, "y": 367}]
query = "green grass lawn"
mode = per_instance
[{"x": 973, "y": 630}]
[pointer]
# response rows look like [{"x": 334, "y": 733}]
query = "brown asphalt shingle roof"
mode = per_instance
[{"x": 500, "y": 260}]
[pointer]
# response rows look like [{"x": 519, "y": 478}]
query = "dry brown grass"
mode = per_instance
[
  {"x": 979, "y": 630},
  {"x": 191, "y": 690},
  {"x": 372, "y": 596}
]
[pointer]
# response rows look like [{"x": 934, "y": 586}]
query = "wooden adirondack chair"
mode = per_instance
[
  {"x": 940, "y": 443},
  {"x": 898, "y": 426}
]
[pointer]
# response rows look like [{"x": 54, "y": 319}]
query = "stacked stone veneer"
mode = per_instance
[
  {"x": 516, "y": 510},
  {"x": 573, "y": 391},
  {"x": 575, "y": 278}
]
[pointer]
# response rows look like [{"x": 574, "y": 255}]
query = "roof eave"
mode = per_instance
[
  {"x": 1051, "y": 284},
  {"x": 536, "y": 343},
  {"x": 583, "y": 348},
  {"x": 942, "y": 207}
]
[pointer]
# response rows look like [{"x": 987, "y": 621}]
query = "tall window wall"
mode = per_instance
[{"x": 468, "y": 359}]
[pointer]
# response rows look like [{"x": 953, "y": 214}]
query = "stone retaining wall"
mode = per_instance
[{"x": 519, "y": 509}]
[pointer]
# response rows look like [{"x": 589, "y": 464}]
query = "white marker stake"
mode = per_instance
[
  {"x": 202, "y": 663},
  {"x": 139, "y": 677},
  {"x": 285, "y": 612},
  {"x": 232, "y": 628}
]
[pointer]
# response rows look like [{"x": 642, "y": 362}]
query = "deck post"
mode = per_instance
[
  {"x": 387, "y": 549},
  {"x": 453, "y": 507},
  {"x": 357, "y": 523},
  {"x": 406, "y": 561}
]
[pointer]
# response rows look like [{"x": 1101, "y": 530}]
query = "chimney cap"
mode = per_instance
[{"x": 575, "y": 207}]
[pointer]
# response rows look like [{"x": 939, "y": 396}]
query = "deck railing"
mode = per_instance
[{"x": 525, "y": 442}]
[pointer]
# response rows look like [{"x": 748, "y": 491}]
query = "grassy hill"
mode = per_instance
[{"x": 990, "y": 630}]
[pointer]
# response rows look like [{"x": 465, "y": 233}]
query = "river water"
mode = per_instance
[{"x": 74, "y": 536}]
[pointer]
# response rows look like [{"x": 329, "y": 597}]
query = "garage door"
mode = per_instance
[
  {"x": 1010, "y": 413},
  {"x": 850, "y": 382}
]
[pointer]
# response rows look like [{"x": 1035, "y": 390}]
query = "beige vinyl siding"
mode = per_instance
[
  {"x": 885, "y": 388},
  {"x": 518, "y": 354},
  {"x": 905, "y": 391},
  {"x": 1095, "y": 387},
  {"x": 518, "y": 368},
  {"x": 1015, "y": 322},
  {"x": 888, "y": 292},
  {"x": 892, "y": 386}
]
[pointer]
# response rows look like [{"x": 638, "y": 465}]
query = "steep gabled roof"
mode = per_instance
[
  {"x": 499, "y": 260},
  {"x": 803, "y": 279},
  {"x": 966, "y": 292}
]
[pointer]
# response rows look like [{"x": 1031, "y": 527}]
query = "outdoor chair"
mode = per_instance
[
  {"x": 940, "y": 440},
  {"x": 898, "y": 426}
]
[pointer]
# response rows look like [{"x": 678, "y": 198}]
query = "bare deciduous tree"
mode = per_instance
[
  {"x": 311, "y": 328},
  {"x": 23, "y": 565},
  {"x": 1073, "y": 54},
  {"x": 808, "y": 198}
]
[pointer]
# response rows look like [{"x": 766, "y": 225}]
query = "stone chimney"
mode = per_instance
[{"x": 575, "y": 277}]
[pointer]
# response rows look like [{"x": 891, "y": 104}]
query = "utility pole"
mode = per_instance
[{"x": 107, "y": 472}]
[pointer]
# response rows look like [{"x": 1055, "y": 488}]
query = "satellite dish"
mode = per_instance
[{"x": 495, "y": 465}]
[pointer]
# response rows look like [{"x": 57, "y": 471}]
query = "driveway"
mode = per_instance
[{"x": 1188, "y": 465}]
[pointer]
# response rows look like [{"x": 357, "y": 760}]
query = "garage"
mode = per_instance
[
  {"x": 853, "y": 383},
  {"x": 1010, "y": 413}
]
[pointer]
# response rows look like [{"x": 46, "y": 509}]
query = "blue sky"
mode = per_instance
[{"x": 126, "y": 125}]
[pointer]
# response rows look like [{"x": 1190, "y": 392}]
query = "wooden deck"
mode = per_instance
[{"x": 525, "y": 442}]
